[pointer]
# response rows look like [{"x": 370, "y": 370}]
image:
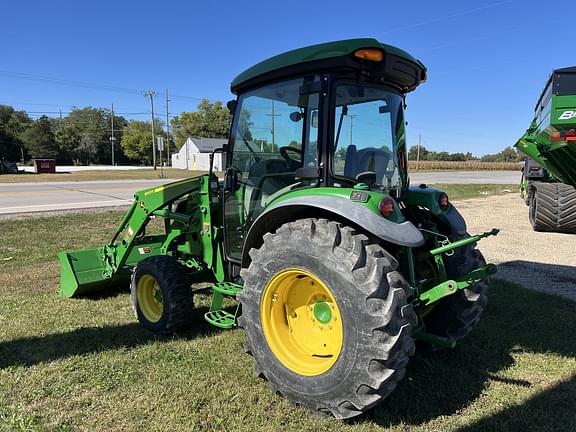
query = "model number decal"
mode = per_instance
[{"x": 567, "y": 115}]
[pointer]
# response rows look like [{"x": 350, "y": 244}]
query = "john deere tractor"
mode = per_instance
[
  {"x": 336, "y": 265},
  {"x": 549, "y": 176}
]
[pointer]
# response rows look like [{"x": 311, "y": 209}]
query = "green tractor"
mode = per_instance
[
  {"x": 313, "y": 241},
  {"x": 548, "y": 183}
]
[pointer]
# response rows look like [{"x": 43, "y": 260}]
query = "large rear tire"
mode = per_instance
[
  {"x": 161, "y": 295},
  {"x": 455, "y": 316},
  {"x": 553, "y": 208},
  {"x": 326, "y": 317}
]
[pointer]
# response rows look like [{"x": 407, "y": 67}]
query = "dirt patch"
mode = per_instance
[{"x": 543, "y": 262}]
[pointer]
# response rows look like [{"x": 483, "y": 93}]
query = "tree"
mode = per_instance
[
  {"x": 39, "y": 139},
  {"x": 84, "y": 135},
  {"x": 413, "y": 153},
  {"x": 509, "y": 154},
  {"x": 12, "y": 124},
  {"x": 137, "y": 139},
  {"x": 211, "y": 120}
]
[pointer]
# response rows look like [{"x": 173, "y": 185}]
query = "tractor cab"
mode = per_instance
[{"x": 328, "y": 115}]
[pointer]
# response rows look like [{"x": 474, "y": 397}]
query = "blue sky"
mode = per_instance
[{"x": 487, "y": 61}]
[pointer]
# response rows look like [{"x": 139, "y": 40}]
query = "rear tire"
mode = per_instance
[
  {"x": 455, "y": 316},
  {"x": 370, "y": 296},
  {"x": 161, "y": 295},
  {"x": 553, "y": 208}
]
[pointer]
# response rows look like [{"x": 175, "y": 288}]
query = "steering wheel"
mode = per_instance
[{"x": 293, "y": 163}]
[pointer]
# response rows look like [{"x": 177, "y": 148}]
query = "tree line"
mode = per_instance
[
  {"x": 84, "y": 135},
  {"x": 509, "y": 154}
]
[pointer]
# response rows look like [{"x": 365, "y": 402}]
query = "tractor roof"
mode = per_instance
[{"x": 397, "y": 66}]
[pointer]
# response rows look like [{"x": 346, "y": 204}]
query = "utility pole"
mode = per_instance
[
  {"x": 418, "y": 151},
  {"x": 112, "y": 137},
  {"x": 167, "y": 130},
  {"x": 151, "y": 95},
  {"x": 351, "y": 125},
  {"x": 60, "y": 120},
  {"x": 273, "y": 130}
]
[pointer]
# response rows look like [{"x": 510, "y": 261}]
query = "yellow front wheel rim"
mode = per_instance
[
  {"x": 149, "y": 297},
  {"x": 301, "y": 322}
]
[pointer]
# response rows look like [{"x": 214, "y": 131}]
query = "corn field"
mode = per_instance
[{"x": 464, "y": 166}]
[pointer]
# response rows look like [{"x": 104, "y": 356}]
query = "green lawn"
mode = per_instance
[
  {"x": 85, "y": 364},
  {"x": 458, "y": 192}
]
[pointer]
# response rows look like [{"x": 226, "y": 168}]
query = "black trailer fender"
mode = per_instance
[{"x": 330, "y": 207}]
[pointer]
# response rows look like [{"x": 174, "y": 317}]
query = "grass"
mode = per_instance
[
  {"x": 464, "y": 166},
  {"x": 458, "y": 192},
  {"x": 135, "y": 174},
  {"x": 84, "y": 364}
]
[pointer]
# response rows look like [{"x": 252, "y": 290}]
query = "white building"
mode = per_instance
[{"x": 195, "y": 154}]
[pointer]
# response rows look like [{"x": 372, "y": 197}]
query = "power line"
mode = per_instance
[
  {"x": 445, "y": 17},
  {"x": 67, "y": 82},
  {"x": 83, "y": 84}
]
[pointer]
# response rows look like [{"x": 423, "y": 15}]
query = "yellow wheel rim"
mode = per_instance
[
  {"x": 301, "y": 322},
  {"x": 149, "y": 296}
]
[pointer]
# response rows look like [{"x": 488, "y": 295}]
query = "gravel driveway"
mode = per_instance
[{"x": 540, "y": 261}]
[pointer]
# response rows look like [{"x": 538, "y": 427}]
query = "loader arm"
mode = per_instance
[
  {"x": 148, "y": 203},
  {"x": 190, "y": 234}
]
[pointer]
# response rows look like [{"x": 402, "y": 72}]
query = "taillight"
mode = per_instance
[
  {"x": 386, "y": 206},
  {"x": 443, "y": 201}
]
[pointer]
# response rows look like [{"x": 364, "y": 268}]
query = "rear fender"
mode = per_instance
[{"x": 341, "y": 209}]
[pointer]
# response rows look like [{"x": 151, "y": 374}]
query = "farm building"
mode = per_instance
[{"x": 195, "y": 154}]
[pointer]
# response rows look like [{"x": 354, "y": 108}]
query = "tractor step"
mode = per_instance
[
  {"x": 217, "y": 316},
  {"x": 227, "y": 288},
  {"x": 221, "y": 318}
]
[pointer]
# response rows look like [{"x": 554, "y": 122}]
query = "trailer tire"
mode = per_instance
[
  {"x": 553, "y": 208},
  {"x": 161, "y": 295},
  {"x": 455, "y": 316},
  {"x": 363, "y": 288}
]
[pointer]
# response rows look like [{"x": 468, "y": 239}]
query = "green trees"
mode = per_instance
[
  {"x": 84, "y": 135},
  {"x": 137, "y": 140},
  {"x": 12, "y": 124},
  {"x": 39, "y": 139},
  {"x": 211, "y": 120},
  {"x": 430, "y": 155}
]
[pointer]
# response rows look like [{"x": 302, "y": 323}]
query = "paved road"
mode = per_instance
[{"x": 41, "y": 197}]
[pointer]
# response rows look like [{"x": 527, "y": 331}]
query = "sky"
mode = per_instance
[{"x": 487, "y": 60}]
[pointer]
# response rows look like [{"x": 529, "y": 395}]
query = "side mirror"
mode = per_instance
[
  {"x": 231, "y": 104},
  {"x": 231, "y": 180}
]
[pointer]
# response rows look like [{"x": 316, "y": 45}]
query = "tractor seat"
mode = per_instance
[{"x": 368, "y": 159}]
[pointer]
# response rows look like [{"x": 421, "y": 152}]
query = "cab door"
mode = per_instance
[{"x": 273, "y": 135}]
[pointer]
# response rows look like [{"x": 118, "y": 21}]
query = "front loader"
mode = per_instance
[{"x": 334, "y": 263}]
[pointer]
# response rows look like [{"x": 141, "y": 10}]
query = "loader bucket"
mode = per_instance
[{"x": 81, "y": 272}]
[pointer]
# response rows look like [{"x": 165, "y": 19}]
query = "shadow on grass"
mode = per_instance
[
  {"x": 87, "y": 340},
  {"x": 516, "y": 320}
]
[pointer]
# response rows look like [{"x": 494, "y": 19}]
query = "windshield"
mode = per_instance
[{"x": 368, "y": 126}]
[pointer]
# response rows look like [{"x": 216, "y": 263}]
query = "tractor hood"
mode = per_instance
[{"x": 391, "y": 65}]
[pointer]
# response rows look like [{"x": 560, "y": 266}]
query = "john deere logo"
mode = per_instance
[{"x": 567, "y": 115}]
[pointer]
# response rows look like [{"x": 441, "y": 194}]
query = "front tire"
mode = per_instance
[
  {"x": 326, "y": 317},
  {"x": 161, "y": 295}
]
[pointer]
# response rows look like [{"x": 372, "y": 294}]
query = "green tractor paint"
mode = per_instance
[
  {"x": 548, "y": 183},
  {"x": 314, "y": 241}
]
